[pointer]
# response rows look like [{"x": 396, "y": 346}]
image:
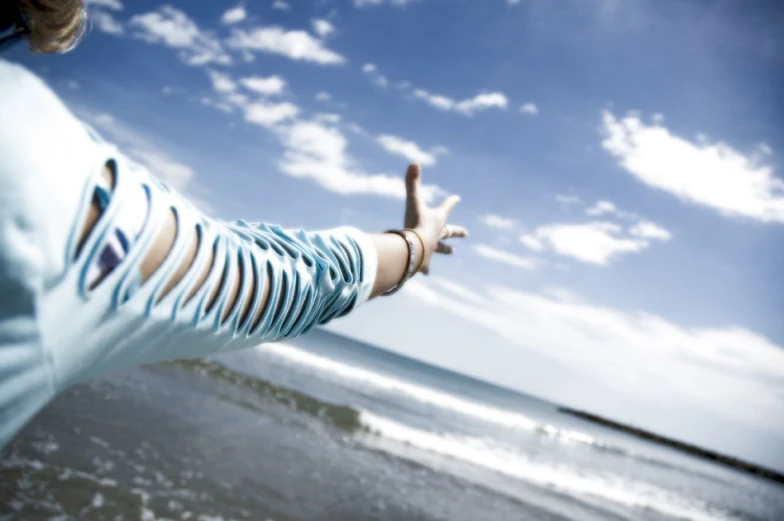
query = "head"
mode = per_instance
[{"x": 49, "y": 25}]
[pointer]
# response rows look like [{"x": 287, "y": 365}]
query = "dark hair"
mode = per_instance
[{"x": 52, "y": 25}]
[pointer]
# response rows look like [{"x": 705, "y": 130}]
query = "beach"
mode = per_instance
[{"x": 331, "y": 429}]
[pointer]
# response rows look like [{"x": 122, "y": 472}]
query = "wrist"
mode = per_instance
[
  {"x": 429, "y": 238},
  {"x": 420, "y": 247}
]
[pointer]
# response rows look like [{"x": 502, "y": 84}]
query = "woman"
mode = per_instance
[{"x": 104, "y": 267}]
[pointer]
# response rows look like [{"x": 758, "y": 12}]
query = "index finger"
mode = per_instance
[{"x": 449, "y": 204}]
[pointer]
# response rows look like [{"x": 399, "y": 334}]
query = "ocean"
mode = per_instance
[{"x": 326, "y": 428}]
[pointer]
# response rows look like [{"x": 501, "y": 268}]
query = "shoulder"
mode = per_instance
[
  {"x": 30, "y": 108},
  {"x": 39, "y": 136},
  {"x": 47, "y": 157}
]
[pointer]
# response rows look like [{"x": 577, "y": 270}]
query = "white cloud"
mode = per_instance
[
  {"x": 297, "y": 45},
  {"x": 173, "y": 28},
  {"x": 650, "y": 230},
  {"x": 596, "y": 242},
  {"x": 371, "y": 70},
  {"x": 317, "y": 152},
  {"x": 323, "y": 96},
  {"x": 531, "y": 242},
  {"x": 409, "y": 150},
  {"x": 601, "y": 208},
  {"x": 459, "y": 290},
  {"x": 322, "y": 27},
  {"x": 103, "y": 20},
  {"x": 529, "y": 108},
  {"x": 710, "y": 174},
  {"x": 221, "y": 82},
  {"x": 234, "y": 15},
  {"x": 467, "y": 107},
  {"x": 115, "y": 5},
  {"x": 512, "y": 259},
  {"x": 236, "y": 98},
  {"x": 269, "y": 115},
  {"x": 482, "y": 102},
  {"x": 280, "y": 5},
  {"x": 175, "y": 174},
  {"x": 146, "y": 150},
  {"x": 645, "y": 357},
  {"x": 269, "y": 86},
  {"x": 496, "y": 221}
]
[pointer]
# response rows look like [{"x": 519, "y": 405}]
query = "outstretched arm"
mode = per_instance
[{"x": 389, "y": 251}]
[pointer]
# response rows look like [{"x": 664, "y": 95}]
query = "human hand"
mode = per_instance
[{"x": 430, "y": 223}]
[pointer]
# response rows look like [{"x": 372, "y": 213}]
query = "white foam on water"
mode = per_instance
[
  {"x": 562, "y": 478},
  {"x": 417, "y": 392},
  {"x": 428, "y": 395}
]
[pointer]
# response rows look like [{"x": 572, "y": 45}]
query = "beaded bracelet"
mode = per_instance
[
  {"x": 422, "y": 242},
  {"x": 410, "y": 269}
]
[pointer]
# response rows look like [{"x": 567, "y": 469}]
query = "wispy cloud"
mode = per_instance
[
  {"x": 596, "y": 242},
  {"x": 601, "y": 208},
  {"x": 101, "y": 17},
  {"x": 650, "y": 230},
  {"x": 269, "y": 86},
  {"x": 269, "y": 115},
  {"x": 173, "y": 28},
  {"x": 322, "y": 27},
  {"x": 281, "y": 5},
  {"x": 221, "y": 82},
  {"x": 409, "y": 150},
  {"x": 529, "y": 108},
  {"x": 314, "y": 148},
  {"x": 105, "y": 22},
  {"x": 371, "y": 70},
  {"x": 505, "y": 257},
  {"x": 294, "y": 44},
  {"x": 710, "y": 174},
  {"x": 234, "y": 15},
  {"x": 496, "y": 221},
  {"x": 145, "y": 149},
  {"x": 667, "y": 362},
  {"x": 467, "y": 107},
  {"x": 318, "y": 152}
]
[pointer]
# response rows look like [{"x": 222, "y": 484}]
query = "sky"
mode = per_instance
[{"x": 620, "y": 165}]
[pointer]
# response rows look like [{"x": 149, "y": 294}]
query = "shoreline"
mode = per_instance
[{"x": 688, "y": 448}]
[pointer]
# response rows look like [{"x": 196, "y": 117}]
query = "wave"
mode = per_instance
[
  {"x": 430, "y": 396},
  {"x": 416, "y": 392},
  {"x": 561, "y": 478},
  {"x": 341, "y": 416}
]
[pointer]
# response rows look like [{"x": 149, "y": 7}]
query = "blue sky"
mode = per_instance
[{"x": 619, "y": 162}]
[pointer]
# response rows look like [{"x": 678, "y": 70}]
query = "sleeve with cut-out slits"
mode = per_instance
[
  {"x": 93, "y": 310},
  {"x": 286, "y": 281}
]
